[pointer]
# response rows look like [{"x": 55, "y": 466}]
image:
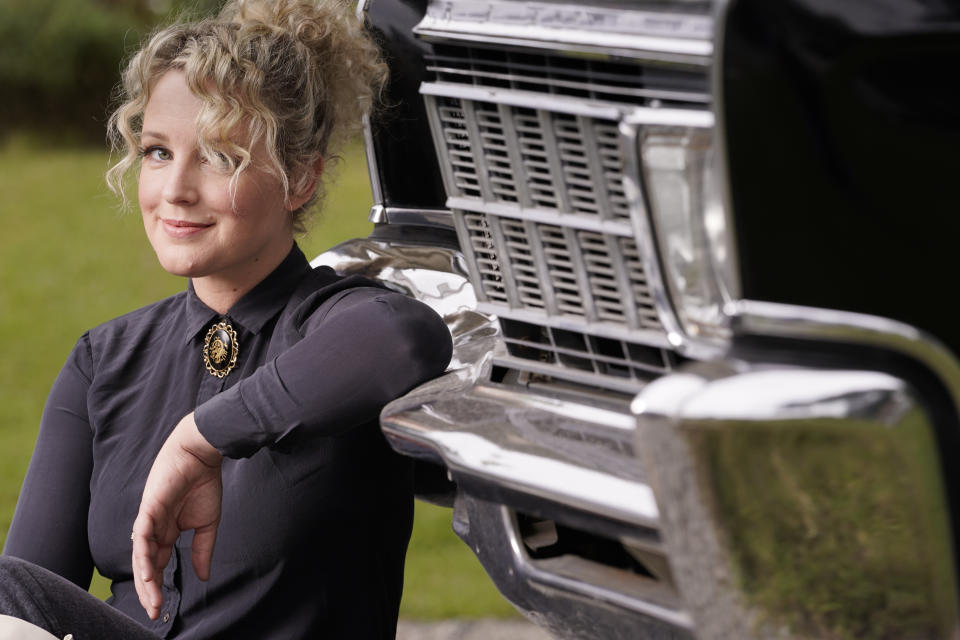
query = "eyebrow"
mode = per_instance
[{"x": 153, "y": 134}]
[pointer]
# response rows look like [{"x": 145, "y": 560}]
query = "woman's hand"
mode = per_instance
[{"x": 183, "y": 492}]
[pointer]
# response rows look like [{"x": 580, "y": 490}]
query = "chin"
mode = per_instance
[{"x": 177, "y": 264}]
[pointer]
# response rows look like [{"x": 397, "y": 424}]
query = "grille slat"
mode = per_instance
[
  {"x": 524, "y": 265},
  {"x": 561, "y": 270},
  {"x": 594, "y": 80},
  {"x": 485, "y": 254},
  {"x": 602, "y": 276},
  {"x": 640, "y": 289}
]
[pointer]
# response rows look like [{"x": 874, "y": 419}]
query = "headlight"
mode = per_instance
[{"x": 692, "y": 229}]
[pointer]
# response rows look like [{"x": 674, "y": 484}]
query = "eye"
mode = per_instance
[
  {"x": 218, "y": 160},
  {"x": 157, "y": 153}
]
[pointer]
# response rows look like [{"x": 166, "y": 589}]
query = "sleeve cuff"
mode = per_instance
[{"x": 226, "y": 423}]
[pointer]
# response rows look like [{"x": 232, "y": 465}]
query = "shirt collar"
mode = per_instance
[{"x": 258, "y": 305}]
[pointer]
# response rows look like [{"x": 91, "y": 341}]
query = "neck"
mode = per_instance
[{"x": 220, "y": 291}]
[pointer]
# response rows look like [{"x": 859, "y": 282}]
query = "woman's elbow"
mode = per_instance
[{"x": 427, "y": 343}]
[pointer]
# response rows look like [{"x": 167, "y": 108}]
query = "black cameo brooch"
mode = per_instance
[{"x": 220, "y": 349}]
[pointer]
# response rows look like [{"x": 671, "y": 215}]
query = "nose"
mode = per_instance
[{"x": 180, "y": 187}]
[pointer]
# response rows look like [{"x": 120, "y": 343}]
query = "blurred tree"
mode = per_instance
[{"x": 60, "y": 59}]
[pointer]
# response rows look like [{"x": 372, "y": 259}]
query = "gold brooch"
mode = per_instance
[{"x": 220, "y": 349}]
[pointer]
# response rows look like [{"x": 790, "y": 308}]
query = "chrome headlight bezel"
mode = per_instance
[{"x": 692, "y": 227}]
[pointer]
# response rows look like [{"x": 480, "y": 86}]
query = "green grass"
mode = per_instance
[{"x": 69, "y": 260}]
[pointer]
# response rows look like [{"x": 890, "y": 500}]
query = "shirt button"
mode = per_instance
[{"x": 166, "y": 617}]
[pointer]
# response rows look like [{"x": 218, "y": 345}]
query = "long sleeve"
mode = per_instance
[
  {"x": 50, "y": 523},
  {"x": 365, "y": 350}
]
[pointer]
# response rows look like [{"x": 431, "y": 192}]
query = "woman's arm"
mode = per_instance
[
  {"x": 50, "y": 524},
  {"x": 369, "y": 348}
]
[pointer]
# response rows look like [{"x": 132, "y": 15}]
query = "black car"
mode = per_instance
[{"x": 693, "y": 256}]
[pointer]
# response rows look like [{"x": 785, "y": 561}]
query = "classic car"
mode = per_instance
[{"x": 694, "y": 258}]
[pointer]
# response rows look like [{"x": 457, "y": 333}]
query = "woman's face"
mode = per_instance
[{"x": 196, "y": 227}]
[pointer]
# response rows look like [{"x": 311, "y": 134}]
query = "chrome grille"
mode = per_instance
[
  {"x": 539, "y": 192},
  {"x": 590, "y": 275},
  {"x": 535, "y": 158}
]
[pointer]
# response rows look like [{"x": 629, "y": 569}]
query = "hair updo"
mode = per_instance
[{"x": 298, "y": 74}]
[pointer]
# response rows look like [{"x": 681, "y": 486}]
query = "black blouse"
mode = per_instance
[{"x": 317, "y": 509}]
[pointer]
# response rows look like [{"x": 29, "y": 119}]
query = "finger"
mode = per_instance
[
  {"x": 204, "y": 539},
  {"x": 137, "y": 583},
  {"x": 144, "y": 570},
  {"x": 148, "y": 588}
]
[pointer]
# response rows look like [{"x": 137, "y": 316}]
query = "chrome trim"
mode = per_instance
[
  {"x": 527, "y": 99},
  {"x": 577, "y": 600},
  {"x": 470, "y": 77},
  {"x": 792, "y": 321},
  {"x": 696, "y": 347},
  {"x": 644, "y": 235},
  {"x": 378, "y": 214},
  {"x": 612, "y": 418},
  {"x": 436, "y": 276},
  {"x": 679, "y": 38},
  {"x": 497, "y": 436},
  {"x": 441, "y": 218},
  {"x": 721, "y": 8},
  {"x": 675, "y": 412},
  {"x": 773, "y": 394},
  {"x": 376, "y": 188},
  {"x": 572, "y": 106},
  {"x": 568, "y": 220},
  {"x": 528, "y": 569}
]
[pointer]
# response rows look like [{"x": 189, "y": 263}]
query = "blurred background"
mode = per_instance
[{"x": 71, "y": 259}]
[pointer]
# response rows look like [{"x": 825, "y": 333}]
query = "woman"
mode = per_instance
[{"x": 232, "y": 427}]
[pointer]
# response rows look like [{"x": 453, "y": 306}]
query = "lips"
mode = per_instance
[{"x": 183, "y": 228}]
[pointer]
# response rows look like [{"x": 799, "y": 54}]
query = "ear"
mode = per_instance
[{"x": 299, "y": 198}]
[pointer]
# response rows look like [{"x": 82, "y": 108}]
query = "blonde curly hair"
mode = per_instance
[{"x": 298, "y": 74}]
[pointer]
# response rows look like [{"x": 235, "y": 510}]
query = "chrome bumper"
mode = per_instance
[
  {"x": 518, "y": 455},
  {"x": 650, "y": 518}
]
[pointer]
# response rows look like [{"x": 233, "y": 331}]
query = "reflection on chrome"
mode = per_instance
[
  {"x": 798, "y": 503},
  {"x": 797, "y": 394},
  {"x": 828, "y": 325},
  {"x": 494, "y": 436},
  {"x": 436, "y": 276}
]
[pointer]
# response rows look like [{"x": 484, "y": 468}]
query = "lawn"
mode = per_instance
[{"x": 70, "y": 259}]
